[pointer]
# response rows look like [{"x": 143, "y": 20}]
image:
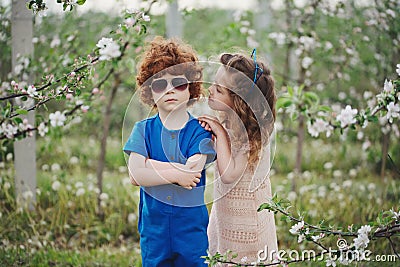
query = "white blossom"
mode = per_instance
[
  {"x": 296, "y": 228},
  {"x": 70, "y": 38},
  {"x": 27, "y": 195},
  {"x": 343, "y": 259},
  {"x": 56, "y": 185},
  {"x": 103, "y": 196},
  {"x": 108, "y": 49},
  {"x": 43, "y": 129},
  {"x": 398, "y": 69},
  {"x": 396, "y": 215},
  {"x": 317, "y": 127},
  {"x": 279, "y": 37},
  {"x": 32, "y": 91},
  {"x": 306, "y": 62},
  {"x": 251, "y": 42},
  {"x": 393, "y": 111},
  {"x": 328, "y": 45},
  {"x": 347, "y": 116},
  {"x": 145, "y": 17},
  {"x": 308, "y": 42},
  {"x": 292, "y": 196},
  {"x": 55, "y": 42},
  {"x": 74, "y": 160},
  {"x": 9, "y": 130},
  {"x": 57, "y": 119},
  {"x": 388, "y": 86},
  {"x": 132, "y": 217},
  {"x": 391, "y": 13},
  {"x": 9, "y": 157},
  {"x": 365, "y": 229},
  {"x": 361, "y": 241},
  {"x": 330, "y": 262},
  {"x": 80, "y": 192},
  {"x": 129, "y": 22},
  {"x": 316, "y": 238},
  {"x": 55, "y": 167},
  {"x": 132, "y": 11}
]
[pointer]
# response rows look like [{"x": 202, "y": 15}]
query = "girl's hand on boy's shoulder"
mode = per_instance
[{"x": 212, "y": 124}]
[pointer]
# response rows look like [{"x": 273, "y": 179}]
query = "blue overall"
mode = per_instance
[{"x": 172, "y": 220}]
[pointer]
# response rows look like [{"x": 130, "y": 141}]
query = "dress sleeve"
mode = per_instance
[
  {"x": 202, "y": 144},
  {"x": 137, "y": 141}
]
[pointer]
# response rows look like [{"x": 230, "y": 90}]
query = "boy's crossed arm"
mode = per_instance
[{"x": 148, "y": 172}]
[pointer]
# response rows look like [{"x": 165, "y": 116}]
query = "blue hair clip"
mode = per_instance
[{"x": 258, "y": 71}]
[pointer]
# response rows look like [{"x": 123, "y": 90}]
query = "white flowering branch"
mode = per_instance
[
  {"x": 307, "y": 103},
  {"x": 107, "y": 50},
  {"x": 386, "y": 226}
]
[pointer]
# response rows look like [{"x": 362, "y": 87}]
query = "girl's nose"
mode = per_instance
[{"x": 211, "y": 89}]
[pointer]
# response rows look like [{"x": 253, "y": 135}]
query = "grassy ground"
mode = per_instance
[
  {"x": 68, "y": 229},
  {"x": 104, "y": 256}
]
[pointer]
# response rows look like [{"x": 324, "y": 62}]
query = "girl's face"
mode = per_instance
[
  {"x": 220, "y": 98},
  {"x": 170, "y": 92}
]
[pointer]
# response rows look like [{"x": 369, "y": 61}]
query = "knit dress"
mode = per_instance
[{"x": 234, "y": 222}]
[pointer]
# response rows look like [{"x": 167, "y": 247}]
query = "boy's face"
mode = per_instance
[{"x": 170, "y": 92}]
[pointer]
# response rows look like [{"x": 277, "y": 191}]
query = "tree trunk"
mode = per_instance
[
  {"x": 103, "y": 144},
  {"x": 173, "y": 21},
  {"x": 25, "y": 149},
  {"x": 288, "y": 57}
]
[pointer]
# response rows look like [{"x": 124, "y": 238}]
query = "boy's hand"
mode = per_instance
[{"x": 189, "y": 179}]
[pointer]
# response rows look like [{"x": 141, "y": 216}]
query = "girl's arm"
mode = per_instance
[
  {"x": 151, "y": 177},
  {"x": 230, "y": 167}
]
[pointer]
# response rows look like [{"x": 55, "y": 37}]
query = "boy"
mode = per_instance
[{"x": 167, "y": 154}]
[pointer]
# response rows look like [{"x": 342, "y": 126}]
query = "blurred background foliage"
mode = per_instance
[{"x": 353, "y": 48}]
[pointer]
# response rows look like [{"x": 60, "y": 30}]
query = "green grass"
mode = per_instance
[
  {"x": 104, "y": 256},
  {"x": 67, "y": 228}
]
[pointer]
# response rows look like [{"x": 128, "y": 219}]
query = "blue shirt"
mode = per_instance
[
  {"x": 172, "y": 220},
  {"x": 152, "y": 140}
]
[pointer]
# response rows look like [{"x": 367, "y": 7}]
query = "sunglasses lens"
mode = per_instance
[
  {"x": 159, "y": 85},
  {"x": 179, "y": 83}
]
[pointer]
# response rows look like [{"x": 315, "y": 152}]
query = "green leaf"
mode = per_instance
[
  {"x": 21, "y": 111},
  {"x": 30, "y": 4},
  {"x": 290, "y": 90},
  {"x": 312, "y": 97},
  {"x": 264, "y": 206},
  {"x": 143, "y": 29},
  {"x": 300, "y": 90},
  {"x": 80, "y": 2},
  {"x": 373, "y": 118},
  {"x": 324, "y": 108},
  {"x": 283, "y": 102},
  {"x": 18, "y": 120}
]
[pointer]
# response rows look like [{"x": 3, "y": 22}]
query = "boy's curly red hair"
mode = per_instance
[{"x": 172, "y": 56}]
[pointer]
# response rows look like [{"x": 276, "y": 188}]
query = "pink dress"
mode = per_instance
[{"x": 235, "y": 223}]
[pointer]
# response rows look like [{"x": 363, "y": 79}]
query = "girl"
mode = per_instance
[{"x": 244, "y": 95}]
